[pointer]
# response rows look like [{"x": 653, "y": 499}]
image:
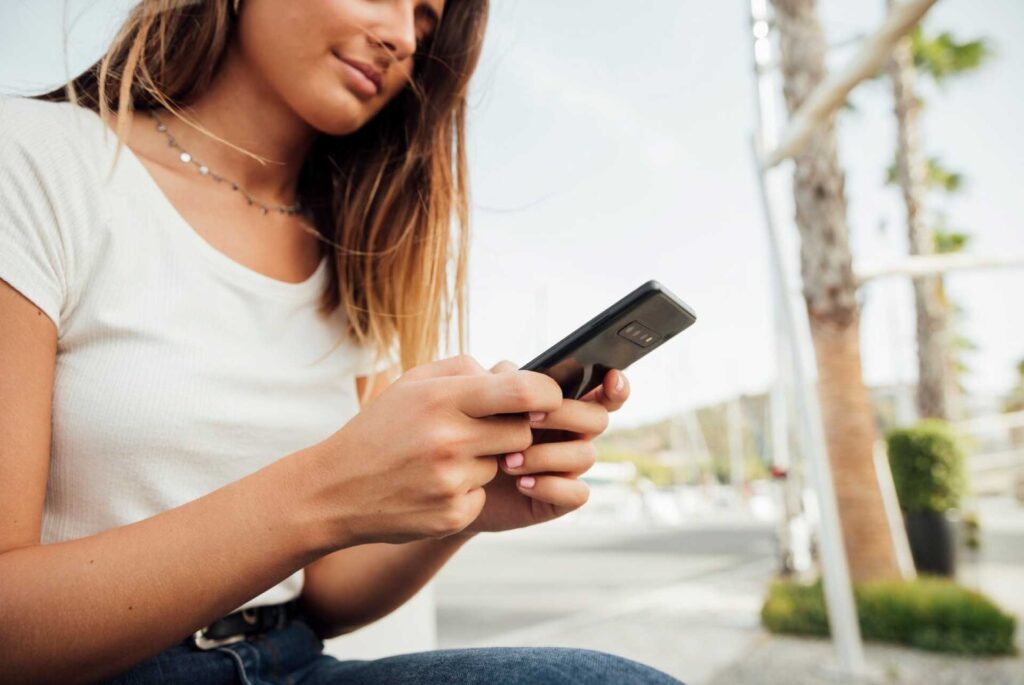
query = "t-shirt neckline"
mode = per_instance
[{"x": 230, "y": 268}]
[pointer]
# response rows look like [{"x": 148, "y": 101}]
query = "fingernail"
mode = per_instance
[
  {"x": 514, "y": 460},
  {"x": 527, "y": 481},
  {"x": 537, "y": 416},
  {"x": 619, "y": 382}
]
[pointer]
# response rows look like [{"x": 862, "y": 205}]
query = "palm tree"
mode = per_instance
[
  {"x": 946, "y": 242},
  {"x": 830, "y": 292},
  {"x": 940, "y": 57}
]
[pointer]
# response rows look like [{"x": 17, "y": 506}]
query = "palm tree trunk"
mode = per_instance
[
  {"x": 932, "y": 346},
  {"x": 830, "y": 291}
]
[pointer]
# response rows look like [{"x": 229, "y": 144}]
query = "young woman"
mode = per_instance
[{"x": 218, "y": 245}]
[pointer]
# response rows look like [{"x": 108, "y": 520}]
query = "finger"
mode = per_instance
[
  {"x": 569, "y": 493},
  {"x": 494, "y": 436},
  {"x": 513, "y": 392},
  {"x": 474, "y": 503},
  {"x": 459, "y": 365},
  {"x": 504, "y": 366},
  {"x": 577, "y": 416},
  {"x": 574, "y": 456},
  {"x": 480, "y": 473},
  {"x": 606, "y": 394}
]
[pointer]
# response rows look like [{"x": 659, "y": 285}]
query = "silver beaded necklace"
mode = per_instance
[{"x": 204, "y": 170}]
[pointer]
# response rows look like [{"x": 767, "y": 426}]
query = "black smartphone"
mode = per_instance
[{"x": 634, "y": 326}]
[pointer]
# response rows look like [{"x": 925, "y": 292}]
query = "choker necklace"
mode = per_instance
[{"x": 204, "y": 170}]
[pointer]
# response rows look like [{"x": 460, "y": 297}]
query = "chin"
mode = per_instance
[{"x": 337, "y": 119}]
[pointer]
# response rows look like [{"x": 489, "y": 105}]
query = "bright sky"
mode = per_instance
[{"x": 609, "y": 144}]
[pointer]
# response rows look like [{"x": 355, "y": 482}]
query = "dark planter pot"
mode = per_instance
[{"x": 932, "y": 543}]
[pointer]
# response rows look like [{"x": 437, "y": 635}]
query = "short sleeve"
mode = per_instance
[{"x": 32, "y": 251}]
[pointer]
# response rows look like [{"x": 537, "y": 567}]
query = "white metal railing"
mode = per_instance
[{"x": 990, "y": 423}]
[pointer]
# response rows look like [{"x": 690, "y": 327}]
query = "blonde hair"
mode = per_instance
[{"x": 383, "y": 196}]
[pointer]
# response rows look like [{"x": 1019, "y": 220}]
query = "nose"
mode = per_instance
[{"x": 396, "y": 29}]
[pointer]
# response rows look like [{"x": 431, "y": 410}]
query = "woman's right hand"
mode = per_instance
[{"x": 412, "y": 464}]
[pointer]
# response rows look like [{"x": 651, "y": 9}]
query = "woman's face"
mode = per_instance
[{"x": 336, "y": 63}]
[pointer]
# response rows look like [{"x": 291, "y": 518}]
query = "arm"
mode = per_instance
[
  {"x": 356, "y": 586},
  {"x": 87, "y": 609}
]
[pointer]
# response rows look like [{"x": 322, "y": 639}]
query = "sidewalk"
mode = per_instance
[
  {"x": 997, "y": 570},
  {"x": 775, "y": 660},
  {"x": 689, "y": 630},
  {"x": 704, "y": 629}
]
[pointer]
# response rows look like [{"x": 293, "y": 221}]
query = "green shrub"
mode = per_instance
[
  {"x": 928, "y": 613},
  {"x": 927, "y": 466},
  {"x": 796, "y": 609},
  {"x": 971, "y": 530}
]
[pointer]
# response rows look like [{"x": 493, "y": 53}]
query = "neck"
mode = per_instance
[{"x": 242, "y": 109}]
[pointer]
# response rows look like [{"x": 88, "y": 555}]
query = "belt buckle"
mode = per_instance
[
  {"x": 204, "y": 643},
  {"x": 200, "y": 640}
]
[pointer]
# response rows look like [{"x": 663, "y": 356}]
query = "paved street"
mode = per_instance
[
  {"x": 682, "y": 599},
  {"x": 686, "y": 599}
]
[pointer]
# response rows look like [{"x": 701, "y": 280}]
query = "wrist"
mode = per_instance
[{"x": 310, "y": 502}]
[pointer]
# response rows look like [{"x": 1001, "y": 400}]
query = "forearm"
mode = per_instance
[
  {"x": 356, "y": 586},
  {"x": 87, "y": 609}
]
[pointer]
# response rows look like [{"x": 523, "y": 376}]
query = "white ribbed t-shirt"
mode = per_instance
[{"x": 178, "y": 370}]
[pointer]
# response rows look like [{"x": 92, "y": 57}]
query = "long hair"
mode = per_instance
[{"x": 383, "y": 196}]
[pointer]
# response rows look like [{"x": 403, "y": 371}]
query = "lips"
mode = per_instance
[{"x": 367, "y": 71}]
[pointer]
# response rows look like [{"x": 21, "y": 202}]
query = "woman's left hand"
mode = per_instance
[{"x": 561, "y": 452}]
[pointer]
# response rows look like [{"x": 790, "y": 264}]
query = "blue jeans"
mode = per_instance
[{"x": 293, "y": 655}]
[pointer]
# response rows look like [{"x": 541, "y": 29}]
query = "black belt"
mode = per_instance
[{"x": 241, "y": 624}]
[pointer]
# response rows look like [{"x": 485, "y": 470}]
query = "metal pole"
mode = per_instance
[
  {"x": 839, "y": 601},
  {"x": 936, "y": 264},
  {"x": 734, "y": 420},
  {"x": 795, "y": 545},
  {"x": 891, "y": 504},
  {"x": 842, "y": 614}
]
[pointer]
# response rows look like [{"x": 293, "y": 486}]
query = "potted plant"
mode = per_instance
[{"x": 927, "y": 465}]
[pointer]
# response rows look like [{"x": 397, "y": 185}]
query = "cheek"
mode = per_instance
[
  {"x": 397, "y": 80},
  {"x": 287, "y": 45},
  {"x": 311, "y": 85},
  {"x": 273, "y": 44}
]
